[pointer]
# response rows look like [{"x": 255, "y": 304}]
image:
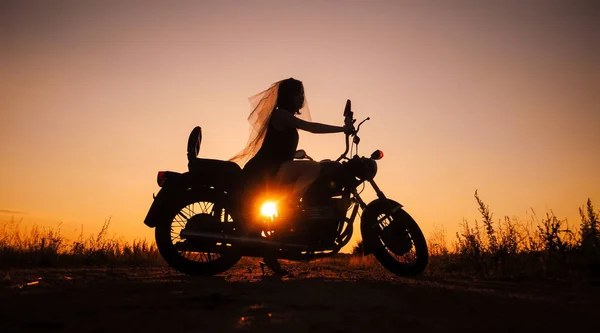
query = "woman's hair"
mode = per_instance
[
  {"x": 280, "y": 95},
  {"x": 286, "y": 93}
]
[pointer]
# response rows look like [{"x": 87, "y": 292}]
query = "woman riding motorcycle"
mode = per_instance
[{"x": 277, "y": 114}]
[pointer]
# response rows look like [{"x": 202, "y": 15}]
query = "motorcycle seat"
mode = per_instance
[{"x": 219, "y": 171}]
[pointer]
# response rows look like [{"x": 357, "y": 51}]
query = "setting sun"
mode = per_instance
[{"x": 269, "y": 209}]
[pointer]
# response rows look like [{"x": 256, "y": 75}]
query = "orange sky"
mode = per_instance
[{"x": 96, "y": 98}]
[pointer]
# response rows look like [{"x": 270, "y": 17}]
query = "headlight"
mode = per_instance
[
  {"x": 269, "y": 209},
  {"x": 367, "y": 169},
  {"x": 371, "y": 169}
]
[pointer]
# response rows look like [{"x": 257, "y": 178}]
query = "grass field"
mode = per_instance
[
  {"x": 537, "y": 275},
  {"x": 538, "y": 248}
]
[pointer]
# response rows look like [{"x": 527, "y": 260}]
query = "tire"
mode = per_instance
[
  {"x": 399, "y": 234},
  {"x": 165, "y": 242}
]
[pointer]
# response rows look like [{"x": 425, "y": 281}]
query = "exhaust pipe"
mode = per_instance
[{"x": 211, "y": 236}]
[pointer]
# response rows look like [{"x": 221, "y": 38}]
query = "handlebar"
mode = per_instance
[
  {"x": 349, "y": 119},
  {"x": 358, "y": 128},
  {"x": 347, "y": 148},
  {"x": 348, "y": 110}
]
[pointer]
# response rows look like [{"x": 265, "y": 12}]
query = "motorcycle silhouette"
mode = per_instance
[{"x": 205, "y": 221}]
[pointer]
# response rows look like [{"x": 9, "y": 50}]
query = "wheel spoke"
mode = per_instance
[
  {"x": 182, "y": 215},
  {"x": 176, "y": 238},
  {"x": 384, "y": 220},
  {"x": 208, "y": 208},
  {"x": 189, "y": 210},
  {"x": 407, "y": 257},
  {"x": 186, "y": 248},
  {"x": 383, "y": 217}
]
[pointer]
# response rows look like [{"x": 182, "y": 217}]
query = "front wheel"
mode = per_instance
[{"x": 396, "y": 239}]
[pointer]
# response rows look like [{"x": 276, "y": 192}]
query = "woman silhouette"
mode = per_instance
[{"x": 277, "y": 114}]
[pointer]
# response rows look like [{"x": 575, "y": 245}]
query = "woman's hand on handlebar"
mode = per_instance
[{"x": 348, "y": 128}]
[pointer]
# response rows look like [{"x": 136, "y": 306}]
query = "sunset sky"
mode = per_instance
[{"x": 95, "y": 98}]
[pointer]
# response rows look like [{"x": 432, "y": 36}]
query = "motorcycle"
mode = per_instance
[{"x": 204, "y": 222}]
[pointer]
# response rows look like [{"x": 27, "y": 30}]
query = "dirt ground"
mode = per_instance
[{"x": 315, "y": 298}]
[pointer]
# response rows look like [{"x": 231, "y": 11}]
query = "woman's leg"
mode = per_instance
[{"x": 300, "y": 173}]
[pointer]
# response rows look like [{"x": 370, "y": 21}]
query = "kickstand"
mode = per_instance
[
  {"x": 275, "y": 267},
  {"x": 262, "y": 267}
]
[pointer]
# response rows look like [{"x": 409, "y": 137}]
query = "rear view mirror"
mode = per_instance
[
  {"x": 300, "y": 154},
  {"x": 348, "y": 109}
]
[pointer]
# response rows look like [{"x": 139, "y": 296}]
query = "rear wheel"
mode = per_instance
[
  {"x": 397, "y": 239},
  {"x": 199, "y": 210}
]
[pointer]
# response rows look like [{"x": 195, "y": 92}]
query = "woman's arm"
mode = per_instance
[{"x": 284, "y": 118}]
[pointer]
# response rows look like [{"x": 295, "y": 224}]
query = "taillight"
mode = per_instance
[{"x": 161, "y": 178}]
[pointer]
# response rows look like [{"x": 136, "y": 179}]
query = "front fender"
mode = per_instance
[{"x": 369, "y": 225}]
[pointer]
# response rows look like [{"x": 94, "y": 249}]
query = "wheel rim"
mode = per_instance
[
  {"x": 206, "y": 215},
  {"x": 397, "y": 241}
]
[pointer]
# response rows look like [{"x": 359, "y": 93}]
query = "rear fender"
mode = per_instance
[
  {"x": 172, "y": 189},
  {"x": 178, "y": 187}
]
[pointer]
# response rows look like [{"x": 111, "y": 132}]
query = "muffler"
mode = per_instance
[{"x": 221, "y": 238}]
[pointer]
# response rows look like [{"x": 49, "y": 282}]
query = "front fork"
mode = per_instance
[
  {"x": 383, "y": 198},
  {"x": 382, "y": 222},
  {"x": 390, "y": 208}
]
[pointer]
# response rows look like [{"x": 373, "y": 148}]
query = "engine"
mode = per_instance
[
  {"x": 330, "y": 183},
  {"x": 316, "y": 225},
  {"x": 324, "y": 209},
  {"x": 319, "y": 225}
]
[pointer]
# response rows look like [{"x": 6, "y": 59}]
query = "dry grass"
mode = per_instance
[
  {"x": 20, "y": 247},
  {"x": 353, "y": 262},
  {"x": 507, "y": 248},
  {"x": 510, "y": 248}
]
